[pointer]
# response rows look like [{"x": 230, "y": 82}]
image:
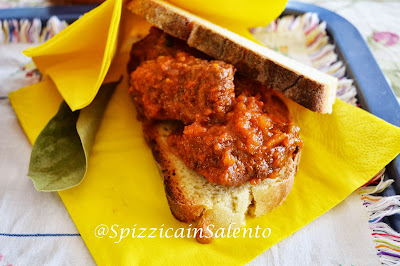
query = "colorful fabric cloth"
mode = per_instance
[{"x": 377, "y": 22}]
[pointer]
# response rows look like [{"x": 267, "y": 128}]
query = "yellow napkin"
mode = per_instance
[
  {"x": 91, "y": 39},
  {"x": 237, "y": 16},
  {"x": 123, "y": 188}
]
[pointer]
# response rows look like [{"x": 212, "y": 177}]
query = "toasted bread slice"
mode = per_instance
[
  {"x": 302, "y": 84},
  {"x": 193, "y": 199}
]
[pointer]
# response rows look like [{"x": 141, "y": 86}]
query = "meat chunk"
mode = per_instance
[
  {"x": 183, "y": 88},
  {"x": 156, "y": 44}
]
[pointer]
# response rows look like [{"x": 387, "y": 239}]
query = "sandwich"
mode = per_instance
[{"x": 212, "y": 106}]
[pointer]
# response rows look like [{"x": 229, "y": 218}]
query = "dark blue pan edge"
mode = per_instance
[
  {"x": 69, "y": 13},
  {"x": 373, "y": 92}
]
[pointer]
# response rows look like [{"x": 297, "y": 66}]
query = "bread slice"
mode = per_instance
[
  {"x": 302, "y": 84},
  {"x": 193, "y": 199}
]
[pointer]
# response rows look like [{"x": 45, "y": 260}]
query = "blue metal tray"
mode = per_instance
[
  {"x": 373, "y": 92},
  {"x": 68, "y": 13}
]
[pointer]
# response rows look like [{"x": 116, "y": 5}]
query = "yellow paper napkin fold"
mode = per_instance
[
  {"x": 237, "y": 16},
  {"x": 123, "y": 188},
  {"x": 41, "y": 99},
  {"x": 77, "y": 60}
]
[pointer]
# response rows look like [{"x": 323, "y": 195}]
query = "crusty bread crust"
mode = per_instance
[
  {"x": 302, "y": 84},
  {"x": 193, "y": 199}
]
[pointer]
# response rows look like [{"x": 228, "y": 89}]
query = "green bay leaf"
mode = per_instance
[{"x": 60, "y": 154}]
